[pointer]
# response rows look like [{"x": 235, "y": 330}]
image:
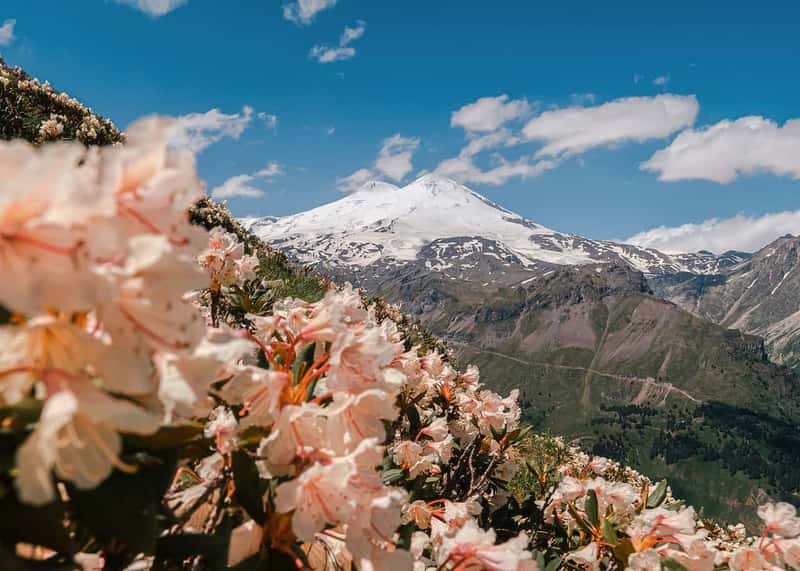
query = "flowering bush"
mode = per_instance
[
  {"x": 35, "y": 111},
  {"x": 163, "y": 409}
]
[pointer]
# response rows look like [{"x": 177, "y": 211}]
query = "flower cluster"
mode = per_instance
[
  {"x": 303, "y": 432},
  {"x": 642, "y": 527},
  {"x": 47, "y": 114},
  {"x": 98, "y": 255},
  {"x": 225, "y": 260}
]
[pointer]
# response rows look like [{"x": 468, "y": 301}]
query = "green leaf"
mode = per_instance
[
  {"x": 658, "y": 495},
  {"x": 413, "y": 418},
  {"x": 553, "y": 565},
  {"x": 591, "y": 508},
  {"x": 303, "y": 362},
  {"x": 579, "y": 519},
  {"x": 393, "y": 475},
  {"x": 672, "y": 565},
  {"x": 623, "y": 550},
  {"x": 609, "y": 532},
  {"x": 249, "y": 490}
]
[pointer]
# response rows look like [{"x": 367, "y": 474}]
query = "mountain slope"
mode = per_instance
[
  {"x": 758, "y": 295},
  {"x": 598, "y": 357},
  {"x": 442, "y": 223},
  {"x": 572, "y": 323}
]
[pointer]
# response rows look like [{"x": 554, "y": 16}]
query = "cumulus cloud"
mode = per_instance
[
  {"x": 302, "y": 12},
  {"x": 241, "y": 186},
  {"x": 344, "y": 51},
  {"x": 7, "y": 32},
  {"x": 577, "y": 129},
  {"x": 394, "y": 161},
  {"x": 197, "y": 131},
  {"x": 743, "y": 233},
  {"x": 728, "y": 149},
  {"x": 353, "y": 182},
  {"x": 464, "y": 170},
  {"x": 661, "y": 80},
  {"x": 154, "y": 8},
  {"x": 489, "y": 113}
]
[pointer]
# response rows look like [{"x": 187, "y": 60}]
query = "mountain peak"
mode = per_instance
[
  {"x": 381, "y": 223},
  {"x": 377, "y": 186}
]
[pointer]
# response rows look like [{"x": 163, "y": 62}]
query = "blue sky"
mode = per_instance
[{"x": 406, "y": 67}]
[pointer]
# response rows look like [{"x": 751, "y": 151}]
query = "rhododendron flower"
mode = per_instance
[
  {"x": 296, "y": 430},
  {"x": 647, "y": 560},
  {"x": 472, "y": 547},
  {"x": 419, "y": 512},
  {"x": 370, "y": 532},
  {"x": 222, "y": 427},
  {"x": 620, "y": 495},
  {"x": 148, "y": 297},
  {"x": 750, "y": 559},
  {"x": 600, "y": 465},
  {"x": 437, "y": 429},
  {"x": 587, "y": 557},
  {"x": 185, "y": 378},
  {"x": 655, "y": 525},
  {"x": 353, "y": 418},
  {"x": 695, "y": 555},
  {"x": 43, "y": 347},
  {"x": 338, "y": 311},
  {"x": 360, "y": 360},
  {"x": 77, "y": 436},
  {"x": 154, "y": 186},
  {"x": 245, "y": 542},
  {"x": 47, "y": 203},
  {"x": 318, "y": 496},
  {"x": 780, "y": 518}
]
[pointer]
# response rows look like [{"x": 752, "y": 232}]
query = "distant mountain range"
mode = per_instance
[
  {"x": 445, "y": 226},
  {"x": 627, "y": 348}
]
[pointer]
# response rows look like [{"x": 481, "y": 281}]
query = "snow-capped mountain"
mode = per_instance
[{"x": 444, "y": 226}]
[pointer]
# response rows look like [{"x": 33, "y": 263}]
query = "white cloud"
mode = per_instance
[
  {"x": 240, "y": 186},
  {"x": 353, "y": 182},
  {"x": 743, "y": 233},
  {"x": 479, "y": 143},
  {"x": 304, "y": 11},
  {"x": 196, "y": 131},
  {"x": 154, "y": 8},
  {"x": 464, "y": 170},
  {"x": 7, "y": 32},
  {"x": 577, "y": 129},
  {"x": 271, "y": 170},
  {"x": 394, "y": 159},
  {"x": 325, "y": 54},
  {"x": 269, "y": 119},
  {"x": 728, "y": 149},
  {"x": 344, "y": 51},
  {"x": 489, "y": 113},
  {"x": 350, "y": 35},
  {"x": 661, "y": 80}
]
